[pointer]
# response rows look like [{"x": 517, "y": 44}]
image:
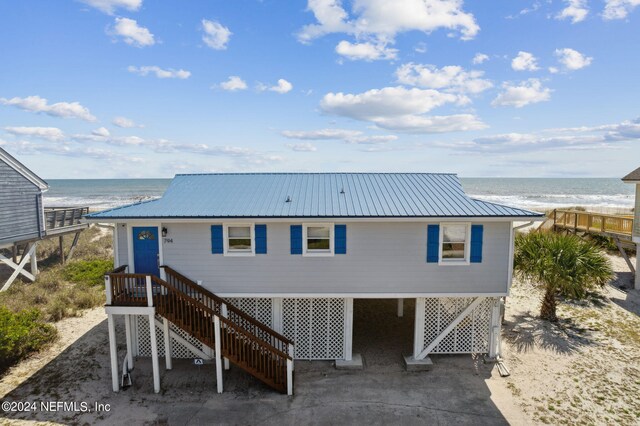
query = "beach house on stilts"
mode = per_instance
[
  {"x": 262, "y": 269},
  {"x": 24, "y": 220}
]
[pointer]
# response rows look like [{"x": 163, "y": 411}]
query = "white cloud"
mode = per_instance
[
  {"x": 449, "y": 78},
  {"x": 596, "y": 138},
  {"x": 576, "y": 10},
  {"x": 234, "y": 83},
  {"x": 433, "y": 124},
  {"x": 619, "y": 9},
  {"x": 382, "y": 20},
  {"x": 302, "y": 147},
  {"x": 282, "y": 87},
  {"x": 110, "y": 6},
  {"x": 348, "y": 136},
  {"x": 399, "y": 108},
  {"x": 125, "y": 123},
  {"x": 387, "y": 102},
  {"x": 365, "y": 51},
  {"x": 421, "y": 47},
  {"x": 49, "y": 133},
  {"x": 524, "y": 61},
  {"x": 323, "y": 134},
  {"x": 132, "y": 33},
  {"x": 159, "y": 72},
  {"x": 527, "y": 92},
  {"x": 572, "y": 60},
  {"x": 216, "y": 35},
  {"x": 102, "y": 132},
  {"x": 554, "y": 70},
  {"x": 480, "y": 58},
  {"x": 59, "y": 109}
]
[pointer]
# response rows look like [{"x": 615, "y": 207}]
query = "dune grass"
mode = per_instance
[{"x": 60, "y": 291}]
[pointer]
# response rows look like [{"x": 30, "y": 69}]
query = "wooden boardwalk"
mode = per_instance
[{"x": 618, "y": 228}]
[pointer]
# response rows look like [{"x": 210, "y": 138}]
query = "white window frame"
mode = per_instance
[
  {"x": 467, "y": 245},
  {"x": 305, "y": 250},
  {"x": 225, "y": 237}
]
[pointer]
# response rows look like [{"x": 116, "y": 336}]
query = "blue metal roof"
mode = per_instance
[{"x": 305, "y": 195}]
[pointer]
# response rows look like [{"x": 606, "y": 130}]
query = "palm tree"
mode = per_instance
[{"x": 561, "y": 265}]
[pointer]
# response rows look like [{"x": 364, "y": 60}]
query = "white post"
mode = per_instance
[
  {"x": 113, "y": 352},
  {"x": 289, "y": 377},
  {"x": 494, "y": 340},
  {"x": 127, "y": 329},
  {"x": 167, "y": 343},
  {"x": 400, "y": 308},
  {"x": 34, "y": 261},
  {"x": 154, "y": 353},
  {"x": 218, "y": 350},
  {"x": 276, "y": 314},
  {"x": 224, "y": 311},
  {"x": 418, "y": 336},
  {"x": 149, "y": 291},
  {"x": 291, "y": 353},
  {"x": 348, "y": 329},
  {"x": 107, "y": 288}
]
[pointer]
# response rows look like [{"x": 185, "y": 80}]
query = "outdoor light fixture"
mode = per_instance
[{"x": 164, "y": 231}]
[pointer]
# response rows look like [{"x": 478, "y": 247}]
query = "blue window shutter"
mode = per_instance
[
  {"x": 296, "y": 239},
  {"x": 217, "y": 243},
  {"x": 476, "y": 243},
  {"x": 433, "y": 243},
  {"x": 340, "y": 246},
  {"x": 261, "y": 239}
]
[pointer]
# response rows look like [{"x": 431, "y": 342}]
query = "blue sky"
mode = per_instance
[{"x": 141, "y": 88}]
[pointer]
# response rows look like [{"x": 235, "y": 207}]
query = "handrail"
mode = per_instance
[
  {"x": 231, "y": 309},
  {"x": 62, "y": 217},
  {"x": 159, "y": 302},
  {"x": 593, "y": 222},
  {"x": 118, "y": 270},
  {"x": 594, "y": 214}
]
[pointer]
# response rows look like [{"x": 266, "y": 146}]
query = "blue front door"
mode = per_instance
[{"x": 145, "y": 250}]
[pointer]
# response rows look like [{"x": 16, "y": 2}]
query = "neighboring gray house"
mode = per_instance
[
  {"x": 21, "y": 211},
  {"x": 293, "y": 250},
  {"x": 24, "y": 220}
]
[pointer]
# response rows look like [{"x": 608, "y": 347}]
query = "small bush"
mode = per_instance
[
  {"x": 21, "y": 333},
  {"x": 89, "y": 272}
]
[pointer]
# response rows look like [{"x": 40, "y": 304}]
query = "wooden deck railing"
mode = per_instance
[
  {"x": 252, "y": 346},
  {"x": 63, "y": 217},
  {"x": 593, "y": 222}
]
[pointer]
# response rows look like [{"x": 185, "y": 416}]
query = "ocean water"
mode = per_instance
[{"x": 610, "y": 195}]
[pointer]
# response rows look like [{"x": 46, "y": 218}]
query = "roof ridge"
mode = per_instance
[{"x": 314, "y": 173}]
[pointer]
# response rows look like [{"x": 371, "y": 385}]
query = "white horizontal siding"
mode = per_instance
[{"x": 381, "y": 258}]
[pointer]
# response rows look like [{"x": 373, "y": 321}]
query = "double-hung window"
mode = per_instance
[
  {"x": 318, "y": 240},
  {"x": 454, "y": 243},
  {"x": 239, "y": 240}
]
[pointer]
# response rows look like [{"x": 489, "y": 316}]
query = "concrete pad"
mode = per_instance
[
  {"x": 356, "y": 363},
  {"x": 412, "y": 364}
]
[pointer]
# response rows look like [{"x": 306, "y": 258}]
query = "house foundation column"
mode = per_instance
[
  {"x": 113, "y": 352},
  {"x": 127, "y": 329},
  {"x": 154, "y": 354},
  {"x": 494, "y": 332},
  {"x": 400, "y": 308},
  {"x": 34, "y": 261},
  {"x": 167, "y": 344}
]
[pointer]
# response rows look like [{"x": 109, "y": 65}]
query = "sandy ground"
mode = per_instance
[{"x": 585, "y": 370}]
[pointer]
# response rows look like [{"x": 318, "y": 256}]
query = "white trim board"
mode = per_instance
[
  {"x": 301, "y": 220},
  {"x": 358, "y": 295}
]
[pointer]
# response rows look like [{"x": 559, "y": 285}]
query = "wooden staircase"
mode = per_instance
[{"x": 247, "y": 343}]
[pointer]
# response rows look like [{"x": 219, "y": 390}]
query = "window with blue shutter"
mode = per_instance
[
  {"x": 433, "y": 243},
  {"x": 217, "y": 240},
  {"x": 340, "y": 239},
  {"x": 476, "y": 243},
  {"x": 296, "y": 239},
  {"x": 261, "y": 239}
]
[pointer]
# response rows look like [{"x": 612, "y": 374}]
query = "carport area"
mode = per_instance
[{"x": 459, "y": 389}]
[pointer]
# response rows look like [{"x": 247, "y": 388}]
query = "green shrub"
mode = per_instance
[
  {"x": 89, "y": 272},
  {"x": 21, "y": 333}
]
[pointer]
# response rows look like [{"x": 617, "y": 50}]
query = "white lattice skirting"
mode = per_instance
[
  {"x": 471, "y": 335},
  {"x": 143, "y": 342},
  {"x": 317, "y": 326}
]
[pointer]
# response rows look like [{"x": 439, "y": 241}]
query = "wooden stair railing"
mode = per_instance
[
  {"x": 227, "y": 310},
  {"x": 252, "y": 346}
]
